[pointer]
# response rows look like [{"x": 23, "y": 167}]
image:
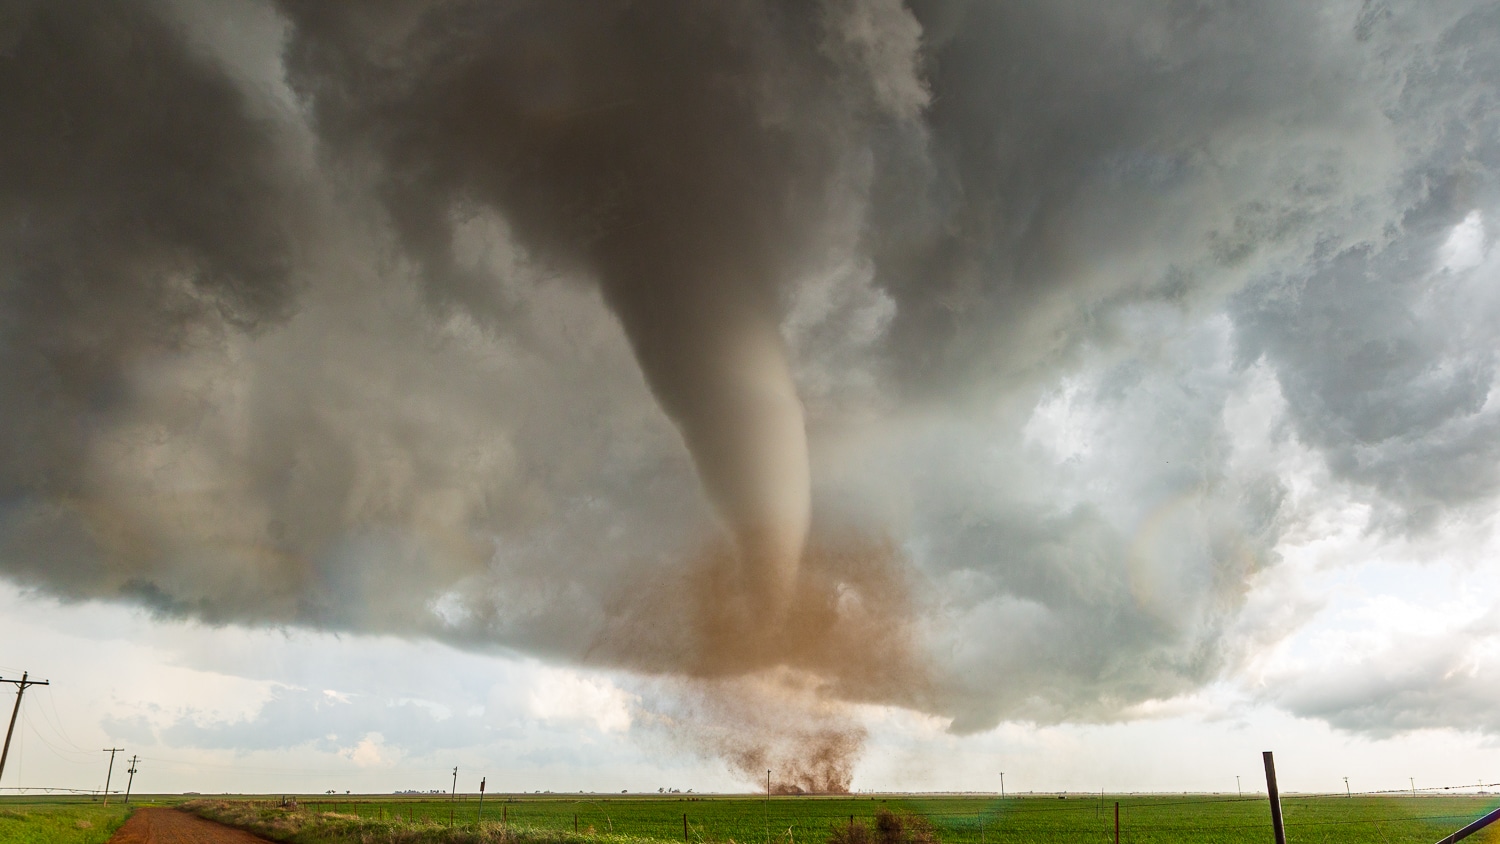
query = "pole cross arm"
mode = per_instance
[{"x": 1472, "y": 828}]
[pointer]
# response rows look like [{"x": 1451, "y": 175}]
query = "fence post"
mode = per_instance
[
  {"x": 1275, "y": 797},
  {"x": 684, "y": 827},
  {"x": 1117, "y": 822}
]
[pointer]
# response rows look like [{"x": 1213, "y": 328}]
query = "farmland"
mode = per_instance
[{"x": 1210, "y": 819}]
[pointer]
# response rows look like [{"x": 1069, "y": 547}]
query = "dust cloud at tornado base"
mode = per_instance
[{"x": 711, "y": 342}]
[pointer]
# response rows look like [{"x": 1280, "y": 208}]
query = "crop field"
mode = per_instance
[
  {"x": 57, "y": 820},
  {"x": 1209, "y": 819}
]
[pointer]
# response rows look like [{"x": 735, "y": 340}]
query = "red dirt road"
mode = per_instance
[{"x": 169, "y": 826}]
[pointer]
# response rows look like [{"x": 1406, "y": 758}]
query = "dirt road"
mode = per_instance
[{"x": 169, "y": 826}]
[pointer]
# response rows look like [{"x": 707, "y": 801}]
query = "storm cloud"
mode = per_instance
[{"x": 579, "y": 329}]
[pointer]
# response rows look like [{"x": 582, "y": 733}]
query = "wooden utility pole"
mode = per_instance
[
  {"x": 20, "y": 685},
  {"x": 1275, "y": 797},
  {"x": 111, "y": 751},
  {"x": 768, "y": 806},
  {"x": 479, "y": 818},
  {"x": 453, "y": 796},
  {"x": 131, "y": 781}
]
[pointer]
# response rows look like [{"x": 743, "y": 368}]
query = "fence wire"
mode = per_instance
[{"x": 1326, "y": 818}]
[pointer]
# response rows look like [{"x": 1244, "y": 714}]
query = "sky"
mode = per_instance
[{"x": 638, "y": 396}]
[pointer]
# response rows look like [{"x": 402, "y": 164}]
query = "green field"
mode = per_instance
[
  {"x": 57, "y": 820},
  {"x": 1209, "y": 819}
]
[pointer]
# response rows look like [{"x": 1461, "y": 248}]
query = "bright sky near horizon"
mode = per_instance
[{"x": 640, "y": 395}]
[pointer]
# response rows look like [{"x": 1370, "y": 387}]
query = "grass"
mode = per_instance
[
  {"x": 621, "y": 819},
  {"x": 58, "y": 820}
]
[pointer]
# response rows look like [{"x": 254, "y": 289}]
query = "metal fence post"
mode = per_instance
[{"x": 1472, "y": 828}]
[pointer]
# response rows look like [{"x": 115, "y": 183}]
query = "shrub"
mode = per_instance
[{"x": 890, "y": 827}]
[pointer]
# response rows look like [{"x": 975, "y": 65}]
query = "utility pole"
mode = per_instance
[
  {"x": 768, "y": 806},
  {"x": 1275, "y": 796},
  {"x": 1413, "y": 781},
  {"x": 453, "y": 796},
  {"x": 480, "y": 817},
  {"x": 1347, "y": 793},
  {"x": 21, "y": 685},
  {"x": 131, "y": 781},
  {"x": 111, "y": 751}
]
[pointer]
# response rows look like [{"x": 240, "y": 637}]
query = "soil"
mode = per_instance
[{"x": 169, "y": 826}]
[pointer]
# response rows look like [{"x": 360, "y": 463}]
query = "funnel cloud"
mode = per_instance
[{"x": 963, "y": 357}]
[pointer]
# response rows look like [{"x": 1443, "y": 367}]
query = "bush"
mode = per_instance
[{"x": 890, "y": 827}]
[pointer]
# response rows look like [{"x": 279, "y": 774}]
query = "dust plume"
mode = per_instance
[
  {"x": 778, "y": 724},
  {"x": 779, "y": 697}
]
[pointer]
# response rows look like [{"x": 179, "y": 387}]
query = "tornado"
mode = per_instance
[
  {"x": 687, "y": 156},
  {"x": 721, "y": 373},
  {"x": 694, "y": 294}
]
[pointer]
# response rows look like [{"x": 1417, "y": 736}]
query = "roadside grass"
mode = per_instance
[
  {"x": 58, "y": 821},
  {"x": 309, "y": 826},
  {"x": 639, "y": 819}
]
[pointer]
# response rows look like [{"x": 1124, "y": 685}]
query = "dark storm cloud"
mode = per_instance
[
  {"x": 988, "y": 280},
  {"x": 141, "y": 212},
  {"x": 1082, "y": 158}
]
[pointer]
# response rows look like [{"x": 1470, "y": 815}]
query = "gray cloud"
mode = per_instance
[
  {"x": 294, "y": 717},
  {"x": 563, "y": 288},
  {"x": 1419, "y": 682}
]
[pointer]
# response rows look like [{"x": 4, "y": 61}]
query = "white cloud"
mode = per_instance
[
  {"x": 564, "y": 696},
  {"x": 1061, "y": 424},
  {"x": 370, "y": 752},
  {"x": 1465, "y": 247}
]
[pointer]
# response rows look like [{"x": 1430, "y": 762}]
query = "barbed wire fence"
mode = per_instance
[{"x": 1425, "y": 816}]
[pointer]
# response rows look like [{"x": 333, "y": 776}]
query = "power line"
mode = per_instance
[{"x": 54, "y": 720}]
